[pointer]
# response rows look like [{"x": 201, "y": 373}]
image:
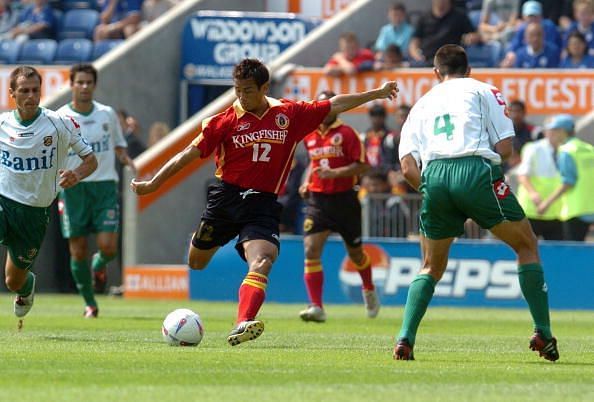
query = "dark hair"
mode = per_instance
[
  {"x": 394, "y": 49},
  {"x": 327, "y": 94},
  {"x": 122, "y": 112},
  {"x": 377, "y": 110},
  {"x": 451, "y": 60},
  {"x": 251, "y": 68},
  {"x": 83, "y": 68},
  {"x": 23, "y": 71},
  {"x": 581, "y": 37},
  {"x": 398, "y": 7},
  {"x": 518, "y": 103}
]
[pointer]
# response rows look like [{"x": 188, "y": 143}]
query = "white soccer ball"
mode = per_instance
[{"x": 182, "y": 327}]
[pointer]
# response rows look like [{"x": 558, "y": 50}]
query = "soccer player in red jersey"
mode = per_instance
[
  {"x": 337, "y": 158},
  {"x": 254, "y": 141}
]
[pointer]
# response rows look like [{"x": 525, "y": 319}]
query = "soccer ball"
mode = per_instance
[{"x": 182, "y": 327}]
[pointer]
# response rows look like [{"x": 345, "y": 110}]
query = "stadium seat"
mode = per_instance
[
  {"x": 73, "y": 51},
  {"x": 484, "y": 55},
  {"x": 38, "y": 51},
  {"x": 78, "y": 23},
  {"x": 9, "y": 51},
  {"x": 105, "y": 46}
]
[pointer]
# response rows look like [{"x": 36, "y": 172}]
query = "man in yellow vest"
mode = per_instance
[
  {"x": 575, "y": 159},
  {"x": 539, "y": 178}
]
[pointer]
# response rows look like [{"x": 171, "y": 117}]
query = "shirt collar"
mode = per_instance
[
  {"x": 337, "y": 123},
  {"x": 240, "y": 111}
]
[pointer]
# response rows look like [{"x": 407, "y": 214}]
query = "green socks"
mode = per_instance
[
  {"x": 534, "y": 290},
  {"x": 100, "y": 260},
  {"x": 420, "y": 293},
  {"x": 27, "y": 288},
  {"x": 84, "y": 282}
]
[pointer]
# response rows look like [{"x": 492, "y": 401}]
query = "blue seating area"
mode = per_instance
[{"x": 49, "y": 51}]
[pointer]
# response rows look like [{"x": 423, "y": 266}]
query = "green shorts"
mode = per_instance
[
  {"x": 22, "y": 229},
  {"x": 460, "y": 188},
  {"x": 89, "y": 207}
]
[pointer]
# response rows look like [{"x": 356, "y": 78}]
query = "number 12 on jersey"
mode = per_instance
[
  {"x": 446, "y": 128},
  {"x": 261, "y": 151}
]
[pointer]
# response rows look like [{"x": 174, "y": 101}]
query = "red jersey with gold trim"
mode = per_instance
[
  {"x": 256, "y": 152},
  {"x": 338, "y": 146}
]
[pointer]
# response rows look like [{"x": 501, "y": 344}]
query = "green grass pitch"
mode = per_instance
[{"x": 462, "y": 355}]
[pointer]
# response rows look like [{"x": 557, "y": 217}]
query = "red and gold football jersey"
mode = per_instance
[
  {"x": 256, "y": 152},
  {"x": 338, "y": 146}
]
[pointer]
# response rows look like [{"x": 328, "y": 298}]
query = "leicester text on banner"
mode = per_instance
[
  {"x": 544, "y": 91},
  {"x": 53, "y": 79}
]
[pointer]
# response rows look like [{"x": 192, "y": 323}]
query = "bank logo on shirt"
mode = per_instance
[
  {"x": 48, "y": 140},
  {"x": 282, "y": 121}
]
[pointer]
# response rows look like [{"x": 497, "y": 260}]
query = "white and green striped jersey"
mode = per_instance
[
  {"x": 456, "y": 118},
  {"x": 32, "y": 152},
  {"x": 102, "y": 130}
]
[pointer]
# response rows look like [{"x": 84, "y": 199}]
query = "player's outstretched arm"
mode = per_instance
[
  {"x": 342, "y": 103},
  {"x": 69, "y": 178},
  {"x": 174, "y": 165}
]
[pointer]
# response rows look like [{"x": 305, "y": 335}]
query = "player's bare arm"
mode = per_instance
[
  {"x": 504, "y": 148},
  {"x": 69, "y": 178},
  {"x": 304, "y": 187},
  {"x": 174, "y": 165},
  {"x": 411, "y": 171},
  {"x": 354, "y": 169},
  {"x": 124, "y": 158},
  {"x": 342, "y": 103}
]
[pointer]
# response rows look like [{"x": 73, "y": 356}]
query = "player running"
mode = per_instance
[
  {"x": 92, "y": 206},
  {"x": 34, "y": 143},
  {"x": 254, "y": 140},
  {"x": 337, "y": 158},
  {"x": 459, "y": 133}
]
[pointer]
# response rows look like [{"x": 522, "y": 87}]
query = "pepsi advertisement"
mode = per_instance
[
  {"x": 479, "y": 274},
  {"x": 214, "y": 41}
]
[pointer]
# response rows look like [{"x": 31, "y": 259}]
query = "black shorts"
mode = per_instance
[
  {"x": 339, "y": 212},
  {"x": 232, "y": 211}
]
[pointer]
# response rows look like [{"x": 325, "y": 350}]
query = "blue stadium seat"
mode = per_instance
[
  {"x": 72, "y": 51},
  {"x": 78, "y": 23},
  {"x": 9, "y": 51},
  {"x": 484, "y": 55},
  {"x": 105, "y": 46},
  {"x": 38, "y": 51}
]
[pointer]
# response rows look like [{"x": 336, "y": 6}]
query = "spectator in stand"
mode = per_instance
[
  {"x": 131, "y": 130},
  {"x": 153, "y": 9},
  {"x": 391, "y": 59},
  {"x": 442, "y": 25},
  {"x": 577, "y": 52},
  {"x": 8, "y": 19},
  {"x": 531, "y": 13},
  {"x": 398, "y": 32},
  {"x": 525, "y": 132},
  {"x": 380, "y": 145},
  {"x": 119, "y": 19},
  {"x": 157, "y": 132},
  {"x": 537, "y": 53},
  {"x": 498, "y": 20},
  {"x": 350, "y": 59},
  {"x": 558, "y": 11},
  {"x": 583, "y": 11},
  {"x": 35, "y": 22}
]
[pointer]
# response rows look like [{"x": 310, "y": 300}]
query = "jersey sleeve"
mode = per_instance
[
  {"x": 409, "y": 140},
  {"x": 354, "y": 148},
  {"x": 308, "y": 116},
  {"x": 499, "y": 125},
  {"x": 117, "y": 134},
  {"x": 213, "y": 133},
  {"x": 78, "y": 143}
]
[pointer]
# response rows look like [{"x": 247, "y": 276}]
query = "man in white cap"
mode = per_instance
[{"x": 575, "y": 159}]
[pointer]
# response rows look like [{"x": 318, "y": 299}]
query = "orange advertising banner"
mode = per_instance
[
  {"x": 53, "y": 79},
  {"x": 544, "y": 91},
  {"x": 157, "y": 282}
]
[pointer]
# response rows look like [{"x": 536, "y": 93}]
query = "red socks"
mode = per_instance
[
  {"x": 365, "y": 272},
  {"x": 251, "y": 296},
  {"x": 314, "y": 281}
]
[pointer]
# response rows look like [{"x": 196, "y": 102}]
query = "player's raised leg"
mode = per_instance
[
  {"x": 420, "y": 293},
  {"x": 362, "y": 262},
  {"x": 520, "y": 237},
  {"x": 22, "y": 282},
  {"x": 260, "y": 255},
  {"x": 313, "y": 276}
]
